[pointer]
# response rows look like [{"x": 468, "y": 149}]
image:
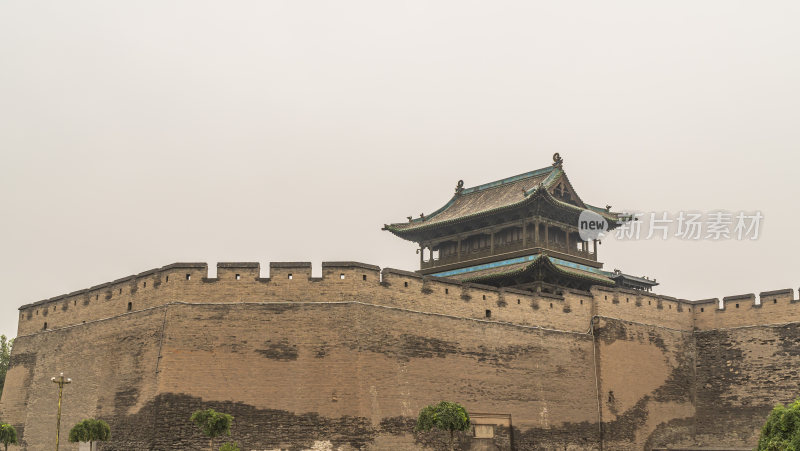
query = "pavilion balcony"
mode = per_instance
[
  {"x": 506, "y": 249},
  {"x": 453, "y": 258},
  {"x": 511, "y": 246}
]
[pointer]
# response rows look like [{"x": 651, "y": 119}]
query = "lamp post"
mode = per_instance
[{"x": 61, "y": 381}]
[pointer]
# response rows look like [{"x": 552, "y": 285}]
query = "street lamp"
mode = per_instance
[{"x": 61, "y": 381}]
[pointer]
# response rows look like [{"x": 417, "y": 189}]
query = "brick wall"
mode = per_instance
[
  {"x": 296, "y": 373},
  {"x": 741, "y": 374},
  {"x": 646, "y": 384},
  {"x": 350, "y": 357}
]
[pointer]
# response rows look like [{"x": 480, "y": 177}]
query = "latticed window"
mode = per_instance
[
  {"x": 449, "y": 248},
  {"x": 479, "y": 242}
]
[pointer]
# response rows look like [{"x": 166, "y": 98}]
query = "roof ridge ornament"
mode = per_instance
[
  {"x": 557, "y": 160},
  {"x": 459, "y": 186}
]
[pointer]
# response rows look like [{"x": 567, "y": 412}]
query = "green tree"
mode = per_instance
[
  {"x": 213, "y": 424},
  {"x": 8, "y": 435},
  {"x": 229, "y": 447},
  {"x": 90, "y": 430},
  {"x": 781, "y": 432},
  {"x": 445, "y": 416},
  {"x": 5, "y": 359}
]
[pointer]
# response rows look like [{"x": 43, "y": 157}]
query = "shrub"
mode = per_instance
[
  {"x": 90, "y": 430},
  {"x": 445, "y": 416},
  {"x": 213, "y": 424},
  {"x": 8, "y": 435},
  {"x": 781, "y": 432}
]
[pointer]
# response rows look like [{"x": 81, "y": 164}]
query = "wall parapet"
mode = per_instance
[
  {"x": 349, "y": 264},
  {"x": 568, "y": 309},
  {"x": 747, "y": 309},
  {"x": 239, "y": 265}
]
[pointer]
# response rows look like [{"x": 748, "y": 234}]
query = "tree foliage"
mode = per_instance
[
  {"x": 8, "y": 435},
  {"x": 213, "y": 424},
  {"x": 90, "y": 430},
  {"x": 445, "y": 416},
  {"x": 781, "y": 432},
  {"x": 230, "y": 446},
  {"x": 5, "y": 359}
]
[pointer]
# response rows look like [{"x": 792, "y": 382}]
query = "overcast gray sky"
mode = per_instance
[{"x": 136, "y": 134}]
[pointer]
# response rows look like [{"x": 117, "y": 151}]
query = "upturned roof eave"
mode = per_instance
[
  {"x": 539, "y": 192},
  {"x": 638, "y": 279},
  {"x": 542, "y": 259}
]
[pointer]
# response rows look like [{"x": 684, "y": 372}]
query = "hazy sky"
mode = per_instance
[{"x": 136, "y": 134}]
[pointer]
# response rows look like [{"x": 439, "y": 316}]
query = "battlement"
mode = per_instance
[
  {"x": 769, "y": 307},
  {"x": 568, "y": 309}
]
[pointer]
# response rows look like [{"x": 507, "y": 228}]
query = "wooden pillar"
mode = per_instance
[
  {"x": 536, "y": 232},
  {"x": 421, "y": 254},
  {"x": 491, "y": 241},
  {"x": 524, "y": 233},
  {"x": 546, "y": 235},
  {"x": 566, "y": 238},
  {"x": 458, "y": 248}
]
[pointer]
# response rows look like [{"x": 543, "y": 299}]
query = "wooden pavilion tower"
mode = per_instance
[{"x": 519, "y": 232}]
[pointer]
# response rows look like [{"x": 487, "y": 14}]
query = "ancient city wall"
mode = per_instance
[
  {"x": 742, "y": 372},
  {"x": 346, "y": 281},
  {"x": 351, "y": 356},
  {"x": 112, "y": 364},
  {"x": 772, "y": 307},
  {"x": 292, "y": 281},
  {"x": 296, "y": 373},
  {"x": 646, "y": 385}
]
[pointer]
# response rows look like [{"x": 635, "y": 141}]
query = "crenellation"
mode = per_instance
[
  {"x": 294, "y": 271},
  {"x": 776, "y": 296},
  {"x": 738, "y": 299},
  {"x": 238, "y": 270},
  {"x": 770, "y": 307},
  {"x": 350, "y": 272},
  {"x": 354, "y": 281}
]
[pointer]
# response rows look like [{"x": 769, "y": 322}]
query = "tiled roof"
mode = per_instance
[
  {"x": 483, "y": 198},
  {"x": 641, "y": 280},
  {"x": 490, "y": 197},
  {"x": 521, "y": 264},
  {"x": 492, "y": 271}
]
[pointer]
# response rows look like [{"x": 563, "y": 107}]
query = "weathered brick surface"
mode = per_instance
[
  {"x": 744, "y": 372},
  {"x": 352, "y": 356},
  {"x": 646, "y": 384},
  {"x": 296, "y": 373},
  {"x": 108, "y": 361}
]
